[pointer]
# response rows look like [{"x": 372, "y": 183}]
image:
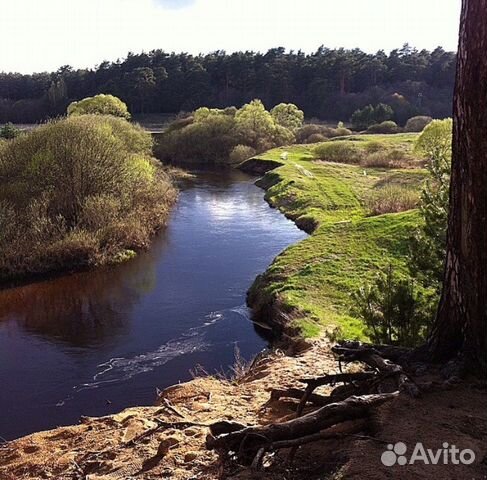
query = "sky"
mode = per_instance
[{"x": 42, "y": 35}]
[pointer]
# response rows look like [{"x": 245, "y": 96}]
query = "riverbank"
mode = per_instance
[
  {"x": 168, "y": 440},
  {"x": 306, "y": 292}
]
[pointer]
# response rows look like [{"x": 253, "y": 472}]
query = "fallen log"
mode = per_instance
[{"x": 391, "y": 352}]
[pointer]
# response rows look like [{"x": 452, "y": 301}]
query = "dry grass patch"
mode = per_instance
[
  {"x": 384, "y": 158},
  {"x": 369, "y": 154},
  {"x": 392, "y": 199}
]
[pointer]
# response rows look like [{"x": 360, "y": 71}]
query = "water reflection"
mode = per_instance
[{"x": 84, "y": 308}]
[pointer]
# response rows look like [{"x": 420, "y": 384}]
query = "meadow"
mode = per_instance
[{"x": 349, "y": 242}]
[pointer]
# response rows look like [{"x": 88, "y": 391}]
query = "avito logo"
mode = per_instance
[{"x": 449, "y": 454}]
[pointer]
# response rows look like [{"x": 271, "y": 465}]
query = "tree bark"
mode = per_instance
[{"x": 461, "y": 324}]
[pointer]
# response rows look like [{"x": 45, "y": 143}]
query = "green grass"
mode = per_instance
[
  {"x": 405, "y": 140},
  {"x": 314, "y": 278}
]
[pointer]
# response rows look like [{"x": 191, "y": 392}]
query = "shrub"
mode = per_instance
[
  {"x": 376, "y": 160},
  {"x": 128, "y": 233},
  {"x": 316, "y": 138},
  {"x": 288, "y": 116},
  {"x": 230, "y": 111},
  {"x": 341, "y": 132},
  {"x": 303, "y": 133},
  {"x": 387, "y": 158},
  {"x": 213, "y": 134},
  {"x": 390, "y": 199},
  {"x": 394, "y": 309},
  {"x": 254, "y": 122},
  {"x": 77, "y": 249},
  {"x": 100, "y": 105},
  {"x": 373, "y": 147},
  {"x": 279, "y": 137},
  {"x": 99, "y": 211},
  {"x": 207, "y": 141},
  {"x": 369, "y": 115},
  {"x": 203, "y": 113},
  {"x": 133, "y": 137},
  {"x": 401, "y": 158},
  {"x": 341, "y": 152},
  {"x": 9, "y": 131},
  {"x": 417, "y": 124},
  {"x": 8, "y": 224},
  {"x": 434, "y": 143},
  {"x": 384, "y": 128},
  {"x": 66, "y": 185},
  {"x": 180, "y": 123},
  {"x": 240, "y": 153}
]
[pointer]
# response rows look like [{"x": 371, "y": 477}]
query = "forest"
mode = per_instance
[{"x": 329, "y": 84}]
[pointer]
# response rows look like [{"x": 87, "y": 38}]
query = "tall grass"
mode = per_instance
[
  {"x": 370, "y": 154},
  {"x": 341, "y": 152},
  {"x": 391, "y": 198}
]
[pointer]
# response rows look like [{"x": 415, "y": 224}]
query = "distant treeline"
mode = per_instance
[{"x": 327, "y": 84}]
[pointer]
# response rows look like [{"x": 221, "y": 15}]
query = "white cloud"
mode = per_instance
[{"x": 40, "y": 35}]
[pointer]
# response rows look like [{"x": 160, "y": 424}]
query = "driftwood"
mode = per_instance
[{"x": 345, "y": 412}]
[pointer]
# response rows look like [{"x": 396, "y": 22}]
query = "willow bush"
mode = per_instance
[
  {"x": 210, "y": 135},
  {"x": 78, "y": 192}
]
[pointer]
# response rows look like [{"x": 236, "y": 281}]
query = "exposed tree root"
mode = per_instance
[
  {"x": 346, "y": 411},
  {"x": 297, "y": 393},
  {"x": 343, "y": 430},
  {"x": 248, "y": 441}
]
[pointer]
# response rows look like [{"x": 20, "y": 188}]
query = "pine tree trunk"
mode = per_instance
[{"x": 461, "y": 324}]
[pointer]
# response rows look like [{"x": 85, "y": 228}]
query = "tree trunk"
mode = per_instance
[{"x": 461, "y": 324}]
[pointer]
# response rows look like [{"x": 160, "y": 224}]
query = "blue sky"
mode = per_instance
[{"x": 39, "y": 35}]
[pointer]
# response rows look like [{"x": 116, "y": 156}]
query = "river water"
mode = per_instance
[{"x": 96, "y": 342}]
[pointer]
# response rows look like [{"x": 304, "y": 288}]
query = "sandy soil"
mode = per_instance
[{"x": 114, "y": 448}]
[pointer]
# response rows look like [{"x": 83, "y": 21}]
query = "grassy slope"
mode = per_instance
[{"x": 314, "y": 278}]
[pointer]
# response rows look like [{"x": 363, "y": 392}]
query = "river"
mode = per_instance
[{"x": 96, "y": 342}]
